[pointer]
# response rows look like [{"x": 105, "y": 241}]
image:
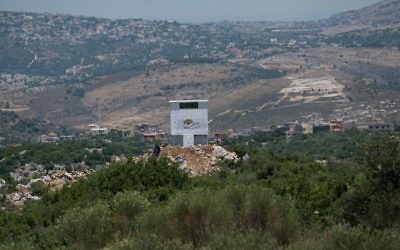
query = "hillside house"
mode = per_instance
[
  {"x": 292, "y": 129},
  {"x": 337, "y": 126},
  {"x": 96, "y": 129},
  {"x": 307, "y": 128}
]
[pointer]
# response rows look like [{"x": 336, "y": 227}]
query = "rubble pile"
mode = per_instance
[
  {"x": 19, "y": 198},
  {"x": 3, "y": 183},
  {"x": 198, "y": 160},
  {"x": 56, "y": 179},
  {"x": 53, "y": 179}
]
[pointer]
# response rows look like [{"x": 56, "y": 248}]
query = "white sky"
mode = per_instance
[{"x": 191, "y": 10}]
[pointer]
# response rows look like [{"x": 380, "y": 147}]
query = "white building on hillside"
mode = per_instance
[{"x": 189, "y": 122}]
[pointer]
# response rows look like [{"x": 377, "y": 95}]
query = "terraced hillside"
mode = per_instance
[
  {"x": 15, "y": 129},
  {"x": 74, "y": 70}
]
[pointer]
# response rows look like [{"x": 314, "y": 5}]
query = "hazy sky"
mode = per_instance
[{"x": 191, "y": 10}]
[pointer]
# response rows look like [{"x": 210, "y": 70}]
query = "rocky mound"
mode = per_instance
[
  {"x": 53, "y": 179},
  {"x": 198, "y": 160}
]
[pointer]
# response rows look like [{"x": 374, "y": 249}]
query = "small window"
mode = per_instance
[{"x": 189, "y": 105}]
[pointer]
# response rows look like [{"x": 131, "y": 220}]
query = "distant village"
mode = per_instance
[
  {"x": 152, "y": 133},
  {"x": 189, "y": 128},
  {"x": 204, "y": 41}
]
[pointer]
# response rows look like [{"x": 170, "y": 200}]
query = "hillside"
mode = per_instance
[
  {"x": 15, "y": 129},
  {"x": 273, "y": 199},
  {"x": 75, "y": 70},
  {"x": 382, "y": 13},
  {"x": 382, "y": 16},
  {"x": 302, "y": 162}
]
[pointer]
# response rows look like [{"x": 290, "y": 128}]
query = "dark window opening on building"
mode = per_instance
[{"x": 189, "y": 105}]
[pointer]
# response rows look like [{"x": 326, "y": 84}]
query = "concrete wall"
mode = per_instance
[
  {"x": 189, "y": 126},
  {"x": 198, "y": 118}
]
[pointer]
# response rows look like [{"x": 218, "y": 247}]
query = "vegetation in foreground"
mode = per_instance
[
  {"x": 271, "y": 201},
  {"x": 88, "y": 152}
]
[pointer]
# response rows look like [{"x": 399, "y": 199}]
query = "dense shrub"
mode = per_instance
[
  {"x": 256, "y": 208},
  {"x": 91, "y": 227},
  {"x": 149, "y": 242},
  {"x": 128, "y": 205},
  {"x": 191, "y": 217},
  {"x": 242, "y": 240},
  {"x": 25, "y": 244},
  {"x": 38, "y": 188},
  {"x": 345, "y": 237},
  {"x": 195, "y": 217},
  {"x": 270, "y": 201},
  {"x": 374, "y": 199}
]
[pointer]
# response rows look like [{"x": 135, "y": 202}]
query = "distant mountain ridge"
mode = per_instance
[
  {"x": 381, "y": 13},
  {"x": 74, "y": 70}
]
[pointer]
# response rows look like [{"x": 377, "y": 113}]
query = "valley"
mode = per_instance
[
  {"x": 121, "y": 73},
  {"x": 285, "y": 134}
]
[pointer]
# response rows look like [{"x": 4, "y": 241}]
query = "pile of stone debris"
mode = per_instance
[
  {"x": 196, "y": 161},
  {"x": 20, "y": 197},
  {"x": 199, "y": 160},
  {"x": 53, "y": 179},
  {"x": 58, "y": 178}
]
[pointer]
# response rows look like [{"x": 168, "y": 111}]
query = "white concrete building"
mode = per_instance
[
  {"x": 189, "y": 122},
  {"x": 307, "y": 128}
]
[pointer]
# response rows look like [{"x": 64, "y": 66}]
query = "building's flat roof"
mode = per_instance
[{"x": 186, "y": 101}]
